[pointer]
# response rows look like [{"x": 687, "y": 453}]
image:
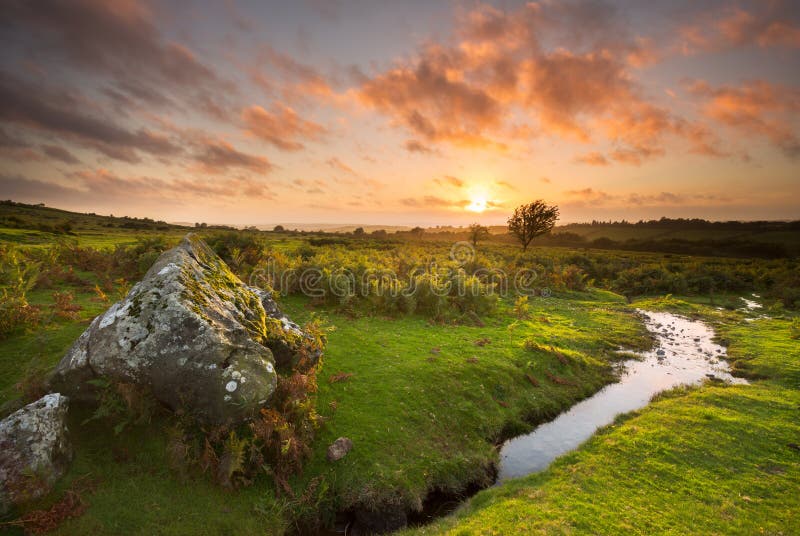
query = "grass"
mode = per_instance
[
  {"x": 709, "y": 460},
  {"x": 425, "y": 401}
]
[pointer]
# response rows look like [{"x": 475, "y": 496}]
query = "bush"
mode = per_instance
[
  {"x": 521, "y": 307},
  {"x": 17, "y": 277},
  {"x": 16, "y": 314}
]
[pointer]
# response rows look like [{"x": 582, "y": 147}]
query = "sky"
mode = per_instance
[{"x": 401, "y": 113}]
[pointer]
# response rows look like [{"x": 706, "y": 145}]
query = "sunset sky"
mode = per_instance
[{"x": 410, "y": 113}]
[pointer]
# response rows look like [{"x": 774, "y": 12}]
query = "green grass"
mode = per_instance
[
  {"x": 425, "y": 400},
  {"x": 710, "y": 460}
]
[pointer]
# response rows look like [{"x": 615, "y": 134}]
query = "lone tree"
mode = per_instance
[
  {"x": 477, "y": 232},
  {"x": 532, "y": 220}
]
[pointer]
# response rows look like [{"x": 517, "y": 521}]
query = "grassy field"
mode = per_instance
[
  {"x": 426, "y": 397},
  {"x": 709, "y": 460}
]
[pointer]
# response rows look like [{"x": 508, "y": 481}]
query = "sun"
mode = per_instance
[{"x": 478, "y": 204}]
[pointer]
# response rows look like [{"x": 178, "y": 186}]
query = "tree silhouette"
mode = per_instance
[
  {"x": 532, "y": 220},
  {"x": 477, "y": 232}
]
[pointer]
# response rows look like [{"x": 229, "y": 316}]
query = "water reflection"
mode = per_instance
[{"x": 684, "y": 354}]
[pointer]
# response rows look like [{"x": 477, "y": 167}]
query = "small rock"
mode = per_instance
[
  {"x": 34, "y": 450},
  {"x": 339, "y": 449}
]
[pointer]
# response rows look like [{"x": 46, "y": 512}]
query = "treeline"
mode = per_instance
[
  {"x": 695, "y": 223},
  {"x": 727, "y": 247}
]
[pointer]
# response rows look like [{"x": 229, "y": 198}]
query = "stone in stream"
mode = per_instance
[
  {"x": 193, "y": 335},
  {"x": 34, "y": 450}
]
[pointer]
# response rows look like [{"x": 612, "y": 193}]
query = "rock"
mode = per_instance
[
  {"x": 339, "y": 449},
  {"x": 660, "y": 352},
  {"x": 193, "y": 335},
  {"x": 34, "y": 450}
]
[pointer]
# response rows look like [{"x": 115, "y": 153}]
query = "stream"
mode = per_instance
[{"x": 684, "y": 354}]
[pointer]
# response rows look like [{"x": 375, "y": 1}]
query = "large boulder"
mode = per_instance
[
  {"x": 34, "y": 450},
  {"x": 192, "y": 334}
]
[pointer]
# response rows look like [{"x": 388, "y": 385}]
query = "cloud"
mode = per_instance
[
  {"x": 219, "y": 155},
  {"x": 293, "y": 79},
  {"x": 103, "y": 186},
  {"x": 62, "y": 113},
  {"x": 756, "y": 108},
  {"x": 281, "y": 127},
  {"x": 59, "y": 153},
  {"x": 18, "y": 187},
  {"x": 593, "y": 159},
  {"x": 120, "y": 41},
  {"x": 416, "y": 146},
  {"x": 564, "y": 67},
  {"x": 431, "y": 201},
  {"x": 449, "y": 180},
  {"x": 589, "y": 197},
  {"x": 508, "y": 185},
  {"x": 338, "y": 165},
  {"x": 765, "y": 24}
]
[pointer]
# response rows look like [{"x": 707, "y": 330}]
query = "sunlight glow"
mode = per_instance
[{"x": 478, "y": 204}]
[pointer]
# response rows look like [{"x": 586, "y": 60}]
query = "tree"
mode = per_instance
[
  {"x": 532, "y": 220},
  {"x": 278, "y": 229},
  {"x": 359, "y": 232},
  {"x": 478, "y": 232}
]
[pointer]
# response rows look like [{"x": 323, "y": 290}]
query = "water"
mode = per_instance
[{"x": 684, "y": 354}]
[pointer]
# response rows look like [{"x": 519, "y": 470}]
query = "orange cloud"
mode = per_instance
[
  {"x": 215, "y": 156},
  {"x": 449, "y": 180},
  {"x": 280, "y": 126},
  {"x": 416, "y": 146},
  {"x": 500, "y": 65},
  {"x": 433, "y": 103},
  {"x": 756, "y": 108},
  {"x": 593, "y": 159},
  {"x": 767, "y": 24},
  {"x": 338, "y": 165}
]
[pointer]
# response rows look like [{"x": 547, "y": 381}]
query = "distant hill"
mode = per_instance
[{"x": 39, "y": 217}]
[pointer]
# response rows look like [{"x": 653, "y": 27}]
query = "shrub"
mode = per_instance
[
  {"x": 16, "y": 314},
  {"x": 17, "y": 277},
  {"x": 64, "y": 305},
  {"x": 521, "y": 307}
]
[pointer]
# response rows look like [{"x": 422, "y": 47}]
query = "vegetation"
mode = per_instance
[{"x": 478, "y": 232}]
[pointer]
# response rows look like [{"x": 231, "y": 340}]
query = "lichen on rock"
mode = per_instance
[
  {"x": 193, "y": 334},
  {"x": 34, "y": 450}
]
